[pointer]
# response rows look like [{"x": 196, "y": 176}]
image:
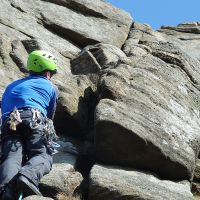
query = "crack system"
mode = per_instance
[
  {"x": 31, "y": 37},
  {"x": 17, "y": 7},
  {"x": 78, "y": 7},
  {"x": 74, "y": 37},
  {"x": 174, "y": 61}
]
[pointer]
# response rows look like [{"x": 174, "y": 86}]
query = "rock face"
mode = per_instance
[
  {"x": 114, "y": 183},
  {"x": 128, "y": 91},
  {"x": 185, "y": 36},
  {"x": 71, "y": 26},
  {"x": 63, "y": 178},
  {"x": 148, "y": 113}
]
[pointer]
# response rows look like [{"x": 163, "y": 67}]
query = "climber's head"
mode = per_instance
[{"x": 40, "y": 62}]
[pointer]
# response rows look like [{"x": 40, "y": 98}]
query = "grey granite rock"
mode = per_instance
[{"x": 110, "y": 183}]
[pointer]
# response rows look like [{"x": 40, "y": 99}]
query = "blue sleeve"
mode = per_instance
[{"x": 53, "y": 103}]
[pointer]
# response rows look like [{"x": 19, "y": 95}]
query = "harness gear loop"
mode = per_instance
[
  {"x": 15, "y": 119},
  {"x": 49, "y": 130},
  {"x": 36, "y": 119},
  {"x": 51, "y": 136}
]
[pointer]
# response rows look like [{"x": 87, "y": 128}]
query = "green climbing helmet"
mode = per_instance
[{"x": 39, "y": 61}]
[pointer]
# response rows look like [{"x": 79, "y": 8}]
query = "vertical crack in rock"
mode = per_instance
[
  {"x": 128, "y": 36},
  {"x": 16, "y": 59},
  {"x": 1, "y": 52}
]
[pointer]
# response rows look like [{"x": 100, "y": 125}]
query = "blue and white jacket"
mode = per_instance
[{"x": 30, "y": 92}]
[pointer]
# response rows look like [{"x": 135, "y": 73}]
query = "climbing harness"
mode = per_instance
[
  {"x": 15, "y": 119},
  {"x": 49, "y": 130},
  {"x": 37, "y": 120}
]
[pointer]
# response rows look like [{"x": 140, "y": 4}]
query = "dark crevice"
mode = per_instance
[
  {"x": 167, "y": 58},
  {"x": 192, "y": 30},
  {"x": 39, "y": 21},
  {"x": 74, "y": 37},
  {"x": 78, "y": 7},
  {"x": 2, "y": 56},
  {"x": 58, "y": 30},
  {"x": 17, "y": 7},
  {"x": 174, "y": 61},
  {"x": 189, "y": 30},
  {"x": 128, "y": 36},
  {"x": 186, "y": 39},
  {"x": 17, "y": 60},
  {"x": 30, "y": 45},
  {"x": 31, "y": 37},
  {"x": 18, "y": 63}
]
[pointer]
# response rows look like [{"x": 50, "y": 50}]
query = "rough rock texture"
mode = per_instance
[
  {"x": 75, "y": 96},
  {"x": 144, "y": 86},
  {"x": 110, "y": 183},
  {"x": 197, "y": 171},
  {"x": 63, "y": 177},
  {"x": 196, "y": 181},
  {"x": 78, "y": 23},
  {"x": 148, "y": 114},
  {"x": 186, "y": 36},
  {"x": 93, "y": 59}
]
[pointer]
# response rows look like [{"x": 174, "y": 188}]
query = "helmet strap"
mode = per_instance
[{"x": 48, "y": 75}]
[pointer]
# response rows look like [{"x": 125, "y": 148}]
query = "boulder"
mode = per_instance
[
  {"x": 147, "y": 116},
  {"x": 94, "y": 58},
  {"x": 60, "y": 197},
  {"x": 63, "y": 178},
  {"x": 110, "y": 183}
]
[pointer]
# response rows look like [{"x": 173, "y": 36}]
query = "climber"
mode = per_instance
[{"x": 28, "y": 107}]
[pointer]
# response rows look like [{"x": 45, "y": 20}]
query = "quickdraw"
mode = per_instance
[
  {"x": 51, "y": 136},
  {"x": 15, "y": 119},
  {"x": 36, "y": 119}
]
